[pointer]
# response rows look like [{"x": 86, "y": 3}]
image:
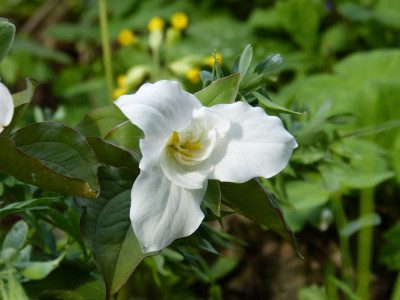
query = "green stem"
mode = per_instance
[
  {"x": 341, "y": 221},
  {"x": 365, "y": 238},
  {"x": 105, "y": 41},
  {"x": 396, "y": 289}
]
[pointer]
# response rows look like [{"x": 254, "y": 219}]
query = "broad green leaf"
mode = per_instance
[
  {"x": 100, "y": 121},
  {"x": 269, "y": 65},
  {"x": 251, "y": 200},
  {"x": 51, "y": 156},
  {"x": 245, "y": 60},
  {"x": 107, "y": 230},
  {"x": 126, "y": 135},
  {"x": 222, "y": 267},
  {"x": 220, "y": 91},
  {"x": 7, "y": 32},
  {"x": 305, "y": 33},
  {"x": 21, "y": 103},
  {"x": 305, "y": 196},
  {"x": 16, "y": 237},
  {"x": 114, "y": 155},
  {"x": 272, "y": 106},
  {"x": 213, "y": 197}
]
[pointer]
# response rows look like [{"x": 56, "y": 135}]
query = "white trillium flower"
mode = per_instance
[
  {"x": 6, "y": 107},
  {"x": 186, "y": 144}
]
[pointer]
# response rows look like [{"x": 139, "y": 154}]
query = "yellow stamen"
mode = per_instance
[{"x": 191, "y": 146}]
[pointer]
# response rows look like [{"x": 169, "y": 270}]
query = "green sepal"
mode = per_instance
[{"x": 220, "y": 91}]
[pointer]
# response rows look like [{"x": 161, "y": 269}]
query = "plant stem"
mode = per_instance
[
  {"x": 365, "y": 238},
  {"x": 396, "y": 289},
  {"x": 105, "y": 41},
  {"x": 341, "y": 221}
]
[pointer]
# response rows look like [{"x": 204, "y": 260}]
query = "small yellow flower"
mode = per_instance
[
  {"x": 193, "y": 75},
  {"x": 156, "y": 23},
  {"x": 126, "y": 37},
  {"x": 121, "y": 79},
  {"x": 209, "y": 60},
  {"x": 118, "y": 92},
  {"x": 179, "y": 21}
]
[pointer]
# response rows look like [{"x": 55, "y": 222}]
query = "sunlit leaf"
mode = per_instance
[
  {"x": 51, "y": 156},
  {"x": 220, "y": 91},
  {"x": 7, "y": 32}
]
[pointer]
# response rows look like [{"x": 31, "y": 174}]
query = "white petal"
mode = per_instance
[
  {"x": 162, "y": 211},
  {"x": 159, "y": 108},
  {"x": 6, "y": 107},
  {"x": 255, "y": 145}
]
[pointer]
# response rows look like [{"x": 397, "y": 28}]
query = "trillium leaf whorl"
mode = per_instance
[
  {"x": 6, "y": 107},
  {"x": 186, "y": 144}
]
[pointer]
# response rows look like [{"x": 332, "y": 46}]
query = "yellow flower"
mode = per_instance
[
  {"x": 126, "y": 37},
  {"x": 193, "y": 75},
  {"x": 121, "y": 79},
  {"x": 179, "y": 21},
  {"x": 156, "y": 23},
  {"x": 119, "y": 92},
  {"x": 209, "y": 60}
]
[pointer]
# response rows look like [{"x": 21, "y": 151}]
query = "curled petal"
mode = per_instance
[
  {"x": 255, "y": 145},
  {"x": 159, "y": 108},
  {"x": 6, "y": 107},
  {"x": 162, "y": 211}
]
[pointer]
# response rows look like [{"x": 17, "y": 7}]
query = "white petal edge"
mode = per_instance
[
  {"x": 162, "y": 211},
  {"x": 6, "y": 107},
  {"x": 256, "y": 145},
  {"x": 159, "y": 108}
]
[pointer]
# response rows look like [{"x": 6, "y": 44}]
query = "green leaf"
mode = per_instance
[
  {"x": 251, "y": 200},
  {"x": 213, "y": 197},
  {"x": 51, "y": 156},
  {"x": 245, "y": 60},
  {"x": 38, "y": 270},
  {"x": 22, "y": 206},
  {"x": 352, "y": 227},
  {"x": 21, "y": 103},
  {"x": 272, "y": 106},
  {"x": 113, "y": 155},
  {"x": 126, "y": 135},
  {"x": 61, "y": 295},
  {"x": 251, "y": 82},
  {"x": 16, "y": 237},
  {"x": 220, "y": 91},
  {"x": 100, "y": 121},
  {"x": 107, "y": 230},
  {"x": 7, "y": 32},
  {"x": 390, "y": 252},
  {"x": 269, "y": 65}
]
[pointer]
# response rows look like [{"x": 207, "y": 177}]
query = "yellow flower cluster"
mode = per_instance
[
  {"x": 156, "y": 23},
  {"x": 193, "y": 75},
  {"x": 180, "y": 21},
  {"x": 126, "y": 37},
  {"x": 210, "y": 60}
]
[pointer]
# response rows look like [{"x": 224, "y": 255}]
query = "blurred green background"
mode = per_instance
[{"x": 341, "y": 66}]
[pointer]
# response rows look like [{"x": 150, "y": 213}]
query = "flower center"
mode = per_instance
[{"x": 183, "y": 150}]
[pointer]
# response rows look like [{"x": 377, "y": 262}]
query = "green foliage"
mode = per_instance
[{"x": 7, "y": 32}]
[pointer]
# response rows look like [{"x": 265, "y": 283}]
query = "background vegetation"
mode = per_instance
[{"x": 341, "y": 69}]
